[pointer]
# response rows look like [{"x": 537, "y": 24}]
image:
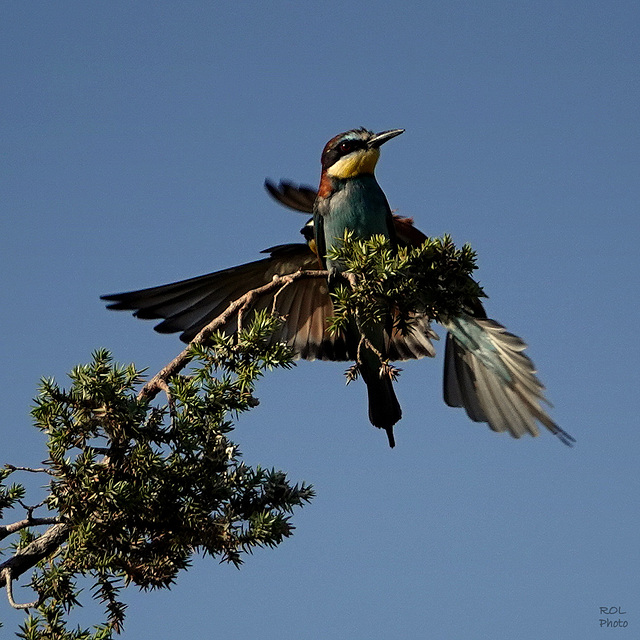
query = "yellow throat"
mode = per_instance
[{"x": 362, "y": 161}]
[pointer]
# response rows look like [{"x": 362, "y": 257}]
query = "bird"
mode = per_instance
[
  {"x": 350, "y": 199},
  {"x": 486, "y": 371}
]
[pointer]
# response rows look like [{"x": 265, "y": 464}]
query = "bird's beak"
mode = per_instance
[{"x": 381, "y": 138}]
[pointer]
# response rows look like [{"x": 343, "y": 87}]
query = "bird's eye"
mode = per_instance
[{"x": 346, "y": 147}]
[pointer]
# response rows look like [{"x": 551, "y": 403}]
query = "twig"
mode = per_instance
[
  {"x": 6, "y": 574},
  {"x": 155, "y": 385},
  {"x": 277, "y": 293},
  {"x": 103, "y": 450},
  {"x": 365, "y": 342},
  {"x": 12, "y": 467},
  {"x": 31, "y": 509}
]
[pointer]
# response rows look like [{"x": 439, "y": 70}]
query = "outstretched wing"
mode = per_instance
[
  {"x": 297, "y": 197},
  {"x": 487, "y": 373},
  {"x": 189, "y": 305}
]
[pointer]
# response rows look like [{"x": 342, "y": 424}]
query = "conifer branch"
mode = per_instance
[{"x": 46, "y": 545}]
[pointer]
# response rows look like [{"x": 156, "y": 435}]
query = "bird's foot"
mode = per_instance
[{"x": 387, "y": 369}]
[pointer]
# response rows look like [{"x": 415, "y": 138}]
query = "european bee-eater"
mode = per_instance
[{"x": 486, "y": 371}]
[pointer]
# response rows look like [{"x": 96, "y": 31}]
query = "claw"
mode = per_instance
[{"x": 387, "y": 369}]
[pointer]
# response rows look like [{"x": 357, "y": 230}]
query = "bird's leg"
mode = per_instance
[{"x": 386, "y": 368}]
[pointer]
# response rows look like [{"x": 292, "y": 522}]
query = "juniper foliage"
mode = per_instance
[
  {"x": 433, "y": 280},
  {"x": 141, "y": 488}
]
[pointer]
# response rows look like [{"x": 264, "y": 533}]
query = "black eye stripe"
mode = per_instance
[
  {"x": 340, "y": 148},
  {"x": 348, "y": 146}
]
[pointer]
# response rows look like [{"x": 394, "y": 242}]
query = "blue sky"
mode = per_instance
[{"x": 136, "y": 138}]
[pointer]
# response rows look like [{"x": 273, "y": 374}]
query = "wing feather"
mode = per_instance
[{"x": 487, "y": 373}]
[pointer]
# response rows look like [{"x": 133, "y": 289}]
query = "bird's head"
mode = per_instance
[{"x": 354, "y": 152}]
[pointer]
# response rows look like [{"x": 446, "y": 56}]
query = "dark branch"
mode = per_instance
[
  {"x": 8, "y": 529},
  {"x": 41, "y": 548}
]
